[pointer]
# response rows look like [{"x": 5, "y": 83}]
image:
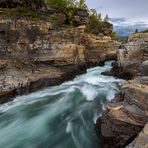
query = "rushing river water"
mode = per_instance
[{"x": 61, "y": 116}]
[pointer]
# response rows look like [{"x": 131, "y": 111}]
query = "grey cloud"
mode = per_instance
[
  {"x": 99, "y": 7},
  {"x": 118, "y": 20},
  {"x": 132, "y": 10},
  {"x": 141, "y": 24},
  {"x": 123, "y": 14}
]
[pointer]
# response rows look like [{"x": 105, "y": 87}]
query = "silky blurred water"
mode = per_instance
[{"x": 61, "y": 116}]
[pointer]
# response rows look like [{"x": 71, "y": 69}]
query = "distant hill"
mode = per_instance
[
  {"x": 145, "y": 31},
  {"x": 124, "y": 31}
]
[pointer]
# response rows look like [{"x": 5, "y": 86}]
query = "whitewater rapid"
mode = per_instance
[{"x": 61, "y": 116}]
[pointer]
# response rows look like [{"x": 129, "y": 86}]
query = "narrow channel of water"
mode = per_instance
[{"x": 61, "y": 116}]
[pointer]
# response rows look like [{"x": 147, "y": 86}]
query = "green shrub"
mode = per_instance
[
  {"x": 81, "y": 4},
  {"x": 94, "y": 22},
  {"x": 114, "y": 35},
  {"x": 65, "y": 6},
  {"x": 28, "y": 13},
  {"x": 97, "y": 25},
  {"x": 54, "y": 17},
  {"x": 62, "y": 5}
]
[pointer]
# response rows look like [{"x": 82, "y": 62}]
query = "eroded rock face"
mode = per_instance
[
  {"x": 130, "y": 56},
  {"x": 35, "y": 54},
  {"x": 127, "y": 114},
  {"x": 99, "y": 48}
]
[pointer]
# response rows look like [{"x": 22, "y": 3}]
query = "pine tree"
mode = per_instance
[
  {"x": 136, "y": 30},
  {"x": 82, "y": 4},
  {"x": 106, "y": 19}
]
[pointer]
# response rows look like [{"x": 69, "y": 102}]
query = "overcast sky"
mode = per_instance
[{"x": 128, "y": 14}]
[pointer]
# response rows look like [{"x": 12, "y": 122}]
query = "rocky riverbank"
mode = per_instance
[{"x": 127, "y": 114}]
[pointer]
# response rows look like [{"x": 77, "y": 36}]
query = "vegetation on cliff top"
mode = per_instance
[
  {"x": 95, "y": 23},
  {"x": 66, "y": 4},
  {"x": 98, "y": 25},
  {"x": 32, "y": 9}
]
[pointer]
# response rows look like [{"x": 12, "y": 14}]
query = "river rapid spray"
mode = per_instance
[{"x": 61, "y": 116}]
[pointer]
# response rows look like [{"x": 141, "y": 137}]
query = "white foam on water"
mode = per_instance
[
  {"x": 70, "y": 83},
  {"x": 68, "y": 127},
  {"x": 96, "y": 116},
  {"x": 103, "y": 106},
  {"x": 88, "y": 92},
  {"x": 96, "y": 80},
  {"x": 111, "y": 95}
]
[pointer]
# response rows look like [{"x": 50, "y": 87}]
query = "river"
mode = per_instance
[{"x": 61, "y": 116}]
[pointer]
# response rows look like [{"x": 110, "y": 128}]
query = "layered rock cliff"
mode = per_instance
[
  {"x": 127, "y": 114},
  {"x": 45, "y": 52},
  {"x": 138, "y": 37}
]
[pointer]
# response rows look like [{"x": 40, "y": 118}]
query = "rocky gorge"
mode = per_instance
[{"x": 45, "y": 51}]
